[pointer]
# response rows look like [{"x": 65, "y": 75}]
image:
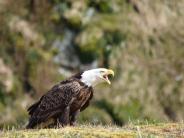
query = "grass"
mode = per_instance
[{"x": 89, "y": 131}]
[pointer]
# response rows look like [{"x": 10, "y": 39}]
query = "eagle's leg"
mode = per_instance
[
  {"x": 64, "y": 118},
  {"x": 74, "y": 118}
]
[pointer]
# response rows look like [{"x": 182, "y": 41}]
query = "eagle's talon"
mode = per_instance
[{"x": 73, "y": 124}]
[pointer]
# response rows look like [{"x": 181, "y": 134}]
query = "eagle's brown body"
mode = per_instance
[{"x": 61, "y": 104}]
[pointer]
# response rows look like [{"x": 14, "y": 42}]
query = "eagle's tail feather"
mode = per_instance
[
  {"x": 32, "y": 123},
  {"x": 32, "y": 108}
]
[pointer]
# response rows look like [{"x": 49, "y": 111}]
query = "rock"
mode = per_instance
[
  {"x": 6, "y": 76},
  {"x": 26, "y": 29}
]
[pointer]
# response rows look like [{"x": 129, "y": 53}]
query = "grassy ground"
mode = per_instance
[{"x": 155, "y": 130}]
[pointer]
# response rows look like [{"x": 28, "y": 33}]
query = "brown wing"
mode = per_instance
[
  {"x": 88, "y": 101},
  {"x": 53, "y": 102}
]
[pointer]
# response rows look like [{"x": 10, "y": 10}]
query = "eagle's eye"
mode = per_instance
[{"x": 102, "y": 71}]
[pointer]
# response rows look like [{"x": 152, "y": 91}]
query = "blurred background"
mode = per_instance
[{"x": 45, "y": 41}]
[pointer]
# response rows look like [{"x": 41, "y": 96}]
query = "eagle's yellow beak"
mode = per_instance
[
  {"x": 110, "y": 72},
  {"x": 106, "y": 74}
]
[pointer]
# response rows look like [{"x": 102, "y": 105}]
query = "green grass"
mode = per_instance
[{"x": 129, "y": 131}]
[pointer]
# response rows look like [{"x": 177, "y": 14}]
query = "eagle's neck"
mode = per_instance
[
  {"x": 89, "y": 79},
  {"x": 88, "y": 82}
]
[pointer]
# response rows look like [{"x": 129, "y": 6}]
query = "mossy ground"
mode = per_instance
[{"x": 150, "y": 130}]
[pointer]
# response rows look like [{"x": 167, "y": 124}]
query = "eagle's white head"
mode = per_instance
[{"x": 95, "y": 76}]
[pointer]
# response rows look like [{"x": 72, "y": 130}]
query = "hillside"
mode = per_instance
[{"x": 159, "y": 130}]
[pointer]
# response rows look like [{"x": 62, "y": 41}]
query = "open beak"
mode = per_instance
[{"x": 106, "y": 74}]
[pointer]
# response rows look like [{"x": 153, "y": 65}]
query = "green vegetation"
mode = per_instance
[{"x": 43, "y": 42}]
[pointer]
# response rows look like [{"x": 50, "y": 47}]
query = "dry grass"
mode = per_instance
[
  {"x": 155, "y": 130},
  {"x": 161, "y": 130}
]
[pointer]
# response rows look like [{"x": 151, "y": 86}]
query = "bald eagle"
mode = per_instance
[{"x": 63, "y": 102}]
